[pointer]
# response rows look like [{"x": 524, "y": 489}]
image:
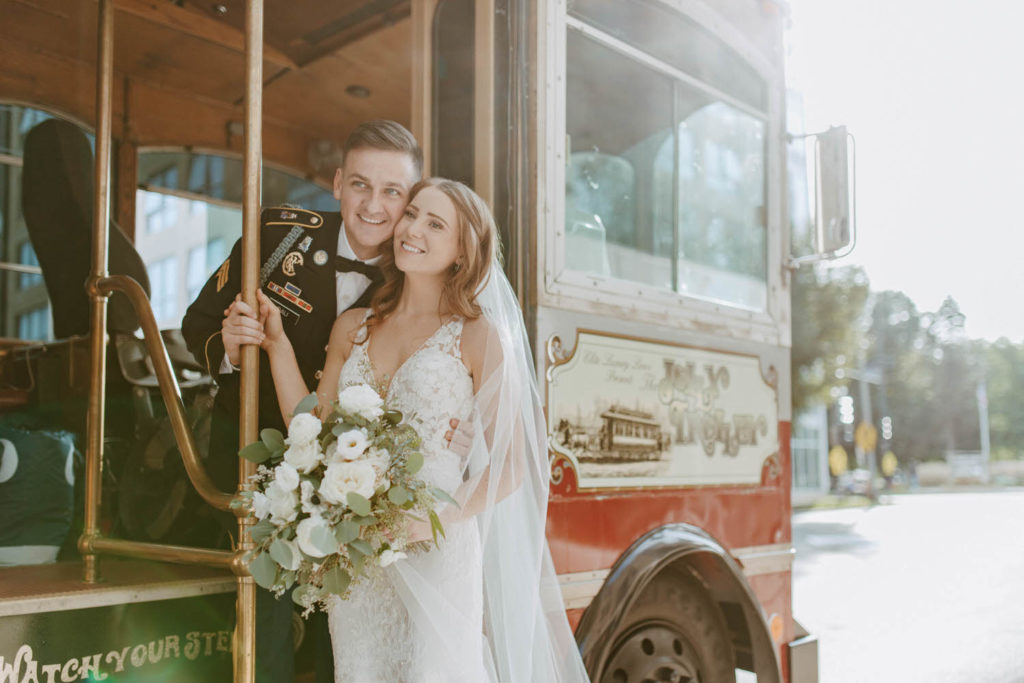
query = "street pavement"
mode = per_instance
[{"x": 922, "y": 587}]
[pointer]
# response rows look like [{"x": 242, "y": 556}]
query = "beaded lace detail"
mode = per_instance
[{"x": 373, "y": 637}]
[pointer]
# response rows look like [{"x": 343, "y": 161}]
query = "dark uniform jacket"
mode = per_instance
[{"x": 297, "y": 257}]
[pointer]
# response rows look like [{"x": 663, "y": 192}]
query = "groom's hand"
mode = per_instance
[{"x": 459, "y": 440}]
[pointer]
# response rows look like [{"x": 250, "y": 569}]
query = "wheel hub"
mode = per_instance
[{"x": 655, "y": 652}]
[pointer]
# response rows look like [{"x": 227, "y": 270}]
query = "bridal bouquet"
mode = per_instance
[{"x": 333, "y": 499}]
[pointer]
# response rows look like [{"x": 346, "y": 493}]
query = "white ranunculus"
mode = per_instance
[
  {"x": 260, "y": 506},
  {"x": 341, "y": 477},
  {"x": 390, "y": 556},
  {"x": 303, "y": 533},
  {"x": 361, "y": 399},
  {"x": 304, "y": 427},
  {"x": 304, "y": 457},
  {"x": 351, "y": 444},
  {"x": 283, "y": 504},
  {"x": 287, "y": 476}
]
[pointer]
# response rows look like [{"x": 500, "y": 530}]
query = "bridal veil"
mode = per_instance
[{"x": 526, "y": 637}]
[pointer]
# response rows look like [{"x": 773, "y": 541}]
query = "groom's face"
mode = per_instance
[{"x": 373, "y": 188}]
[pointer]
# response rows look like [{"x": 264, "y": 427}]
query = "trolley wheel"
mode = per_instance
[{"x": 674, "y": 632}]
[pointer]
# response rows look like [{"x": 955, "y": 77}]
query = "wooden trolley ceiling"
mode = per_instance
[{"x": 180, "y": 68}]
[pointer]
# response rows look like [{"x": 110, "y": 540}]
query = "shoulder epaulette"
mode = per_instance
[{"x": 279, "y": 215}]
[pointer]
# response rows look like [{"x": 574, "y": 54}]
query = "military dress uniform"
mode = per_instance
[{"x": 298, "y": 257}]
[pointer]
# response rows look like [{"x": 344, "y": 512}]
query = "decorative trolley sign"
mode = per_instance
[{"x": 631, "y": 412}]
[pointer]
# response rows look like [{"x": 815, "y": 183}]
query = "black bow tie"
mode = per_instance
[{"x": 347, "y": 265}]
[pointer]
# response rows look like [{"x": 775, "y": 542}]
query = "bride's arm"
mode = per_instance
[{"x": 288, "y": 382}]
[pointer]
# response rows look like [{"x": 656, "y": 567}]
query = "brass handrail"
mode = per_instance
[
  {"x": 221, "y": 559},
  {"x": 169, "y": 388}
]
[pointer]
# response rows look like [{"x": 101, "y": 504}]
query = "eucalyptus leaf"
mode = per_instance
[
  {"x": 346, "y": 532},
  {"x": 255, "y": 452},
  {"x": 441, "y": 494},
  {"x": 358, "y": 503},
  {"x": 282, "y": 553},
  {"x": 365, "y": 520},
  {"x": 287, "y": 578},
  {"x": 414, "y": 462},
  {"x": 272, "y": 439},
  {"x": 336, "y": 580},
  {"x": 323, "y": 540},
  {"x": 263, "y": 570},
  {"x": 307, "y": 405},
  {"x": 300, "y": 593},
  {"x": 261, "y": 530},
  {"x": 393, "y": 416},
  {"x": 362, "y": 546},
  {"x": 399, "y": 495}
]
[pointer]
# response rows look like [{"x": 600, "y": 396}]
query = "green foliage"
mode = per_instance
[
  {"x": 827, "y": 307},
  {"x": 307, "y": 404},
  {"x": 256, "y": 452}
]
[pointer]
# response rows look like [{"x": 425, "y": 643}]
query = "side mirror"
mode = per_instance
[{"x": 835, "y": 229}]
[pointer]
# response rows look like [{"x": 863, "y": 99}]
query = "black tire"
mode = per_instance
[{"x": 674, "y": 632}]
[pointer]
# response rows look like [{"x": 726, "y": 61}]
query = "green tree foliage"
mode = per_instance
[
  {"x": 827, "y": 306},
  {"x": 1004, "y": 371}
]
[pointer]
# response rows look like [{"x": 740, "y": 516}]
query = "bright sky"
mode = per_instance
[{"x": 933, "y": 91}]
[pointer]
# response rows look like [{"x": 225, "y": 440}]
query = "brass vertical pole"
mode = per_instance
[
  {"x": 245, "y": 639},
  {"x": 98, "y": 323}
]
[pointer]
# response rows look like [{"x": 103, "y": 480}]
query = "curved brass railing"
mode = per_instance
[{"x": 169, "y": 387}]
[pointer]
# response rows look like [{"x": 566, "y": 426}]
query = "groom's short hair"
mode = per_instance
[{"x": 388, "y": 136}]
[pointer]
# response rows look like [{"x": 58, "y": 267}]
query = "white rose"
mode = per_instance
[
  {"x": 362, "y": 400},
  {"x": 304, "y": 427},
  {"x": 286, "y": 476},
  {"x": 390, "y": 556},
  {"x": 260, "y": 506},
  {"x": 304, "y": 457},
  {"x": 283, "y": 504},
  {"x": 303, "y": 534},
  {"x": 350, "y": 445},
  {"x": 342, "y": 477}
]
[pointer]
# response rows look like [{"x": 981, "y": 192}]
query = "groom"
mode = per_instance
[{"x": 314, "y": 266}]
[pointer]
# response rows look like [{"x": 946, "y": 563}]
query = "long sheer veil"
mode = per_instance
[{"x": 505, "y": 493}]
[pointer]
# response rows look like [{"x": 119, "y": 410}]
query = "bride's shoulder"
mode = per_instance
[{"x": 479, "y": 343}]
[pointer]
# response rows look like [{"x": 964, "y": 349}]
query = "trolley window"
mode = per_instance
[{"x": 665, "y": 178}]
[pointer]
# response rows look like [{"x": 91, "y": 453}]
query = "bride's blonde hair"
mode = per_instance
[{"x": 478, "y": 245}]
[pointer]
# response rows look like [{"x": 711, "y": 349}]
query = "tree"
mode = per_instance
[{"x": 827, "y": 305}]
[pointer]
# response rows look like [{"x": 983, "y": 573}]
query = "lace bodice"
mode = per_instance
[
  {"x": 430, "y": 388},
  {"x": 373, "y": 637}
]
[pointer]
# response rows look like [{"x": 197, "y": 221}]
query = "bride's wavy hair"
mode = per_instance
[{"x": 467, "y": 276}]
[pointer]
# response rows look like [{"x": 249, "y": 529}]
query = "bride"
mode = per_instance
[{"x": 443, "y": 339}]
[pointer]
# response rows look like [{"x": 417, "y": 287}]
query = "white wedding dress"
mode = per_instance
[{"x": 373, "y": 637}]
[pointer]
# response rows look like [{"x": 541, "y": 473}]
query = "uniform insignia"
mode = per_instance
[
  {"x": 305, "y": 244},
  {"x": 289, "y": 215},
  {"x": 292, "y": 288},
  {"x": 314, "y": 220},
  {"x": 288, "y": 296},
  {"x": 222, "y": 274},
  {"x": 320, "y": 257},
  {"x": 290, "y": 261}
]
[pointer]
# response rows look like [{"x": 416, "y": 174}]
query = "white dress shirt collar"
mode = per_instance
[{"x": 345, "y": 249}]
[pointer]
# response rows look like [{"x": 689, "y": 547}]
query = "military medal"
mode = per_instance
[
  {"x": 290, "y": 261},
  {"x": 305, "y": 244},
  {"x": 320, "y": 257}
]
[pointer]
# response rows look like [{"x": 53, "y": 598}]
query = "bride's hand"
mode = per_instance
[
  {"x": 270, "y": 319},
  {"x": 417, "y": 532}
]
